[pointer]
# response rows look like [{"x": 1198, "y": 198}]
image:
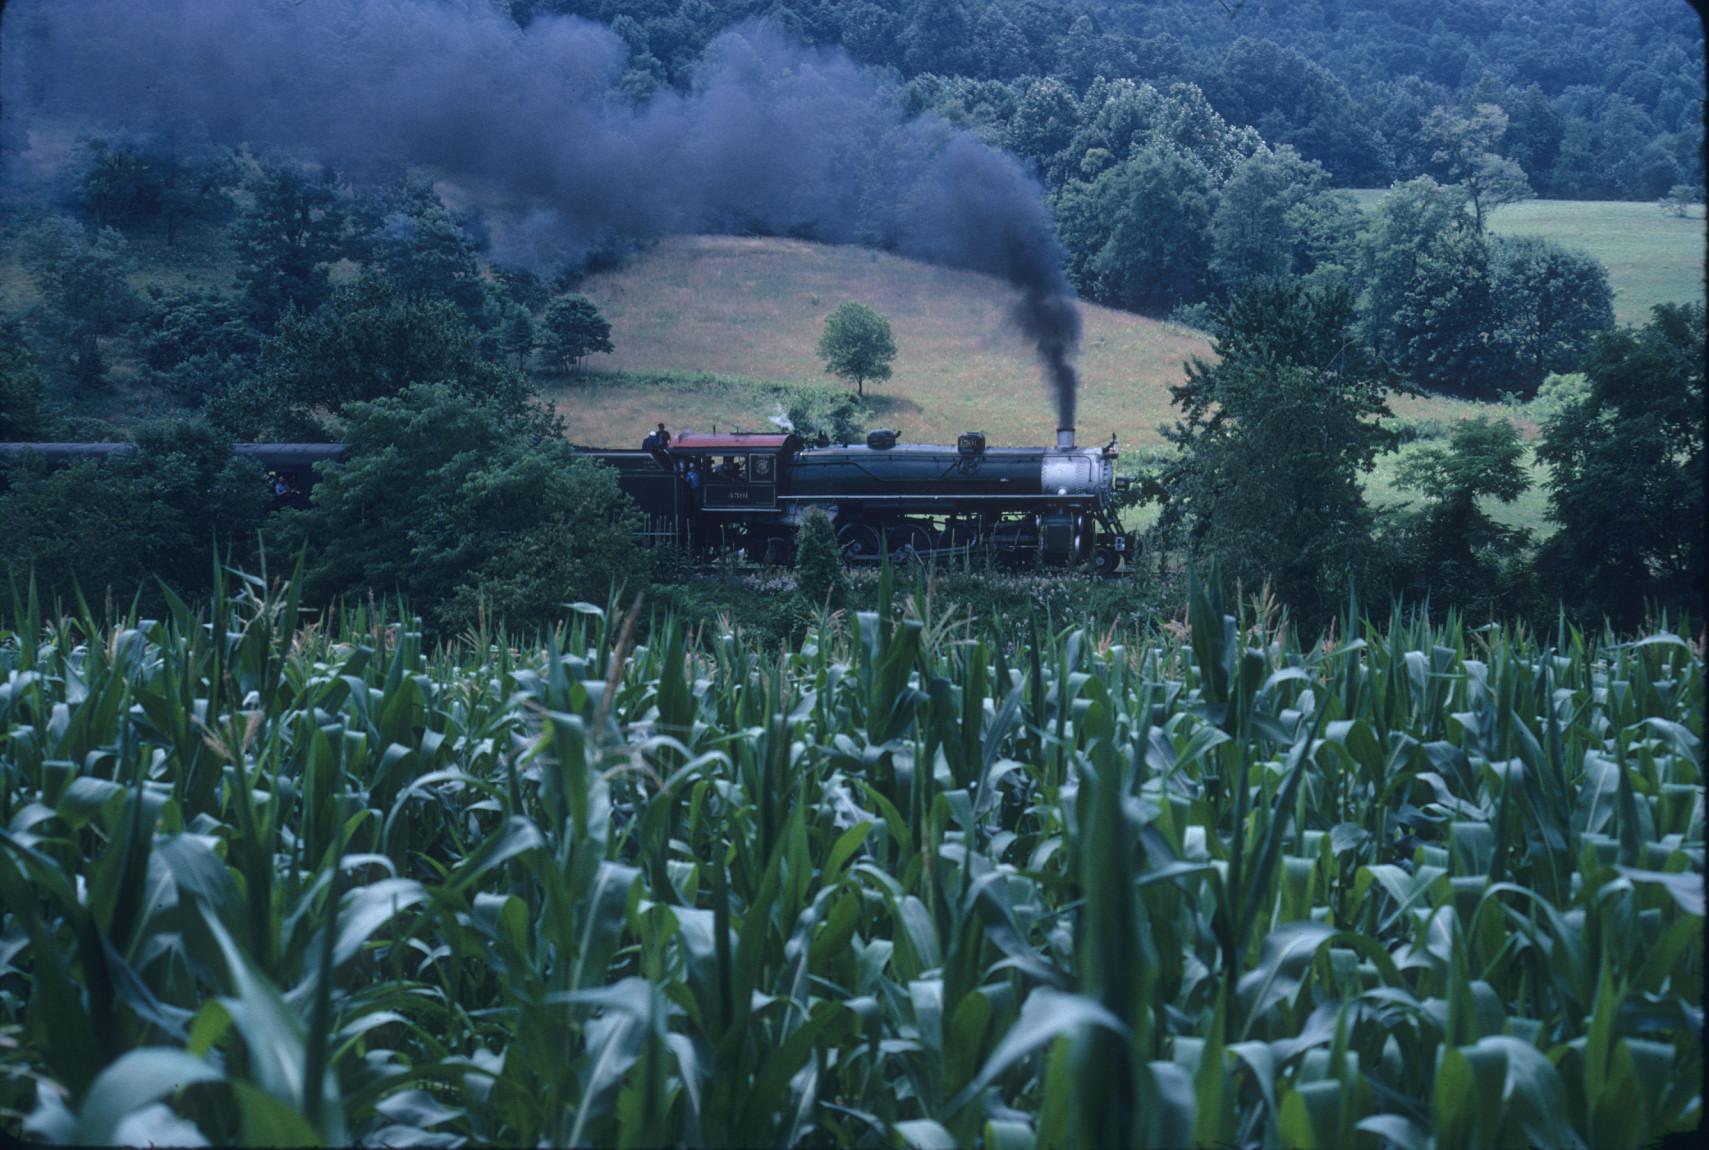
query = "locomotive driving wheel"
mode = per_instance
[
  {"x": 911, "y": 543},
  {"x": 860, "y": 543}
]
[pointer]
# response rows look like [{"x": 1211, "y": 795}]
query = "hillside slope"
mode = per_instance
[{"x": 754, "y": 308}]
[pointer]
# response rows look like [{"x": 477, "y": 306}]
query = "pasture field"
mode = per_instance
[
  {"x": 1651, "y": 255},
  {"x": 919, "y": 879}
]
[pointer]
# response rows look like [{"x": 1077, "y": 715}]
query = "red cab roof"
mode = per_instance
[{"x": 692, "y": 441}]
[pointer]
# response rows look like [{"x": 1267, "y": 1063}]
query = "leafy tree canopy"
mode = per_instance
[
  {"x": 1627, "y": 472},
  {"x": 571, "y": 329},
  {"x": 1272, "y": 440},
  {"x": 467, "y": 504},
  {"x": 857, "y": 345}
]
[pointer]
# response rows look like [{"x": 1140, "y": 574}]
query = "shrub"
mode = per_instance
[{"x": 819, "y": 561}]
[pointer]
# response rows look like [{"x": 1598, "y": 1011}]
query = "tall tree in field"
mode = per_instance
[
  {"x": 1272, "y": 441},
  {"x": 1627, "y": 473},
  {"x": 1254, "y": 227},
  {"x": 1550, "y": 303},
  {"x": 572, "y": 329},
  {"x": 1427, "y": 308},
  {"x": 1465, "y": 151},
  {"x": 857, "y": 345}
]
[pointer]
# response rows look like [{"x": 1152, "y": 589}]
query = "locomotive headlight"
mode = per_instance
[{"x": 1123, "y": 482}]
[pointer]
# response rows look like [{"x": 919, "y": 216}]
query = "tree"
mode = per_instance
[
  {"x": 1254, "y": 229},
  {"x": 572, "y": 329},
  {"x": 857, "y": 345},
  {"x": 194, "y": 343},
  {"x": 1427, "y": 306},
  {"x": 516, "y": 334},
  {"x": 372, "y": 340},
  {"x": 412, "y": 239},
  {"x": 819, "y": 561},
  {"x": 1465, "y": 149},
  {"x": 84, "y": 278},
  {"x": 368, "y": 341},
  {"x": 1550, "y": 302},
  {"x": 285, "y": 240},
  {"x": 1680, "y": 198},
  {"x": 463, "y": 503},
  {"x": 1139, "y": 235},
  {"x": 1271, "y": 442},
  {"x": 83, "y": 275},
  {"x": 20, "y": 390},
  {"x": 1455, "y": 552},
  {"x": 1626, "y": 483},
  {"x": 123, "y": 522}
]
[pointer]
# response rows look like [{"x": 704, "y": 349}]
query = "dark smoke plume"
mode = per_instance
[{"x": 771, "y": 137}]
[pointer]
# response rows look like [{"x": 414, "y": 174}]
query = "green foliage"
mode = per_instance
[
  {"x": 1465, "y": 153},
  {"x": 21, "y": 417},
  {"x": 1427, "y": 305},
  {"x": 369, "y": 341},
  {"x": 286, "y": 239},
  {"x": 1680, "y": 198},
  {"x": 195, "y": 343},
  {"x": 819, "y": 561},
  {"x": 857, "y": 345},
  {"x": 124, "y": 185},
  {"x": 834, "y": 417},
  {"x": 1453, "y": 551},
  {"x": 411, "y": 239},
  {"x": 284, "y": 878},
  {"x": 82, "y": 274},
  {"x": 1139, "y": 233},
  {"x": 1550, "y": 302},
  {"x": 467, "y": 503},
  {"x": 571, "y": 329},
  {"x": 517, "y": 334},
  {"x": 1627, "y": 472},
  {"x": 120, "y": 524},
  {"x": 1257, "y": 229},
  {"x": 1272, "y": 440}
]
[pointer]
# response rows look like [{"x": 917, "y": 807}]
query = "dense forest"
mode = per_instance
[{"x": 1604, "y": 96}]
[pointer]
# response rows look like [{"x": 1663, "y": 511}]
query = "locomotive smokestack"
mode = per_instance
[{"x": 1064, "y": 438}]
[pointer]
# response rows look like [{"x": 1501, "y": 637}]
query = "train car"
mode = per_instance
[{"x": 288, "y": 468}]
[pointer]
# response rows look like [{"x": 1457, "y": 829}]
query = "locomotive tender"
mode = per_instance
[{"x": 911, "y": 501}]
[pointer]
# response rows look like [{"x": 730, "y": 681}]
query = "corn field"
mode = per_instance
[{"x": 277, "y": 877}]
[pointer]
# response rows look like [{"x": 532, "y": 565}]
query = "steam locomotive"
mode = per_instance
[{"x": 913, "y": 502}]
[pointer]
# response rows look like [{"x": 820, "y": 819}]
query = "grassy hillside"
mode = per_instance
[
  {"x": 1652, "y": 256},
  {"x": 754, "y": 308}
]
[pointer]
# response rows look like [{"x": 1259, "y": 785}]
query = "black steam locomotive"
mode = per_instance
[
  {"x": 924, "y": 501},
  {"x": 911, "y": 501}
]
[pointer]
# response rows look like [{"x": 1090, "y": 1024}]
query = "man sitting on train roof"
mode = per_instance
[{"x": 657, "y": 440}]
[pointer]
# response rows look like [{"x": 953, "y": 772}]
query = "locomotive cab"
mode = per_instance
[{"x": 735, "y": 472}]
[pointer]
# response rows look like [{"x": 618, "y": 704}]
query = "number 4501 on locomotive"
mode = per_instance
[{"x": 1053, "y": 505}]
